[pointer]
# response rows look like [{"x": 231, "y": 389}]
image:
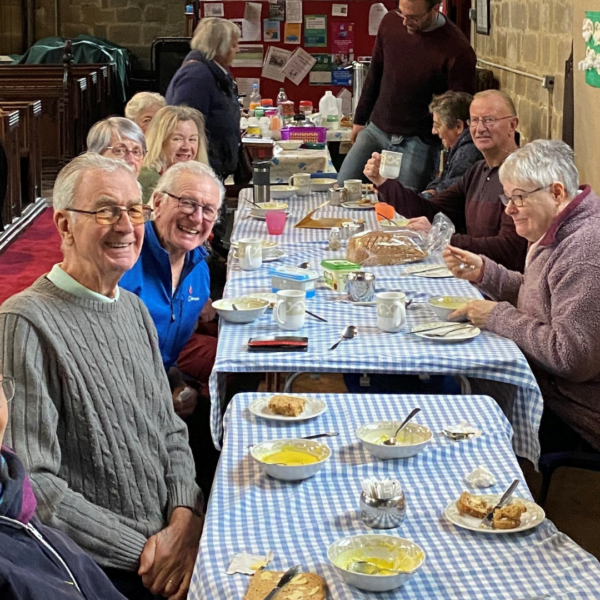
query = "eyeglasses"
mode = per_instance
[
  {"x": 8, "y": 388},
  {"x": 517, "y": 199},
  {"x": 109, "y": 215},
  {"x": 413, "y": 18},
  {"x": 487, "y": 121},
  {"x": 189, "y": 207},
  {"x": 122, "y": 151}
]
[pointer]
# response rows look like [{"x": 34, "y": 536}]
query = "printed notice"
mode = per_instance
[
  {"x": 277, "y": 10},
  {"x": 249, "y": 55},
  {"x": 315, "y": 31},
  {"x": 271, "y": 31},
  {"x": 293, "y": 11},
  {"x": 376, "y": 14},
  {"x": 251, "y": 24},
  {"x": 214, "y": 9},
  {"x": 339, "y": 10},
  {"x": 275, "y": 60},
  {"x": 293, "y": 31},
  {"x": 298, "y": 66}
]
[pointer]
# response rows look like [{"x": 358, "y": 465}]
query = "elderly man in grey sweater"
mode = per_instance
[{"x": 92, "y": 415}]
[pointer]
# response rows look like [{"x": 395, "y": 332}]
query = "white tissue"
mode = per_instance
[
  {"x": 481, "y": 477},
  {"x": 248, "y": 564},
  {"x": 383, "y": 489}
]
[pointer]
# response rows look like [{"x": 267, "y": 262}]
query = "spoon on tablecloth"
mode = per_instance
[{"x": 348, "y": 333}]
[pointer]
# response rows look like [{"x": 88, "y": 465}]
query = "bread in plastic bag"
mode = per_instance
[{"x": 373, "y": 248}]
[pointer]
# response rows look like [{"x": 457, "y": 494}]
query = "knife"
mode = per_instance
[
  {"x": 489, "y": 518},
  {"x": 286, "y": 578}
]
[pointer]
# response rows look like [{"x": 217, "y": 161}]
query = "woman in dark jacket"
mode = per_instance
[
  {"x": 37, "y": 561},
  {"x": 205, "y": 83}
]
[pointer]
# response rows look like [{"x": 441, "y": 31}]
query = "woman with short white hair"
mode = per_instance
[
  {"x": 205, "y": 83},
  {"x": 118, "y": 138},
  {"x": 142, "y": 108},
  {"x": 552, "y": 310}
]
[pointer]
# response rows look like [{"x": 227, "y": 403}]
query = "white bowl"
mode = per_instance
[
  {"x": 261, "y": 209},
  {"x": 444, "y": 306},
  {"x": 248, "y": 309},
  {"x": 321, "y": 185},
  {"x": 287, "y": 472},
  {"x": 289, "y": 144},
  {"x": 416, "y": 437},
  {"x": 281, "y": 192},
  {"x": 366, "y": 547}
]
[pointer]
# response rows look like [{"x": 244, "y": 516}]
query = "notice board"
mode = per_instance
[{"x": 357, "y": 14}]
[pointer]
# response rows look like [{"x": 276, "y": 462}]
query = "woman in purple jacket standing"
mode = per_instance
[{"x": 552, "y": 310}]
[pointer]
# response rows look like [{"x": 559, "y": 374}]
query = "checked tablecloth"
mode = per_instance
[
  {"x": 298, "y": 521},
  {"x": 488, "y": 357}
]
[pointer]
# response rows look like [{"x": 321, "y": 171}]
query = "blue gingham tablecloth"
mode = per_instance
[
  {"x": 488, "y": 356},
  {"x": 298, "y": 521}
]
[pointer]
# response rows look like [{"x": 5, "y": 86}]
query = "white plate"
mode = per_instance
[
  {"x": 460, "y": 335},
  {"x": 272, "y": 256},
  {"x": 532, "y": 518},
  {"x": 270, "y": 297},
  {"x": 354, "y": 205},
  {"x": 266, "y": 244},
  {"x": 263, "y": 217},
  {"x": 312, "y": 408},
  {"x": 438, "y": 273}
]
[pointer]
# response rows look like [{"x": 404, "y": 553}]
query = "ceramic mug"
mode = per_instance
[
  {"x": 354, "y": 187},
  {"x": 391, "y": 311},
  {"x": 250, "y": 254},
  {"x": 290, "y": 310},
  {"x": 337, "y": 196},
  {"x": 302, "y": 182},
  {"x": 390, "y": 164}
]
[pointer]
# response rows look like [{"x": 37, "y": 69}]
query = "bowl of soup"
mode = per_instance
[
  {"x": 376, "y": 563},
  {"x": 410, "y": 441},
  {"x": 290, "y": 459},
  {"x": 444, "y": 306}
]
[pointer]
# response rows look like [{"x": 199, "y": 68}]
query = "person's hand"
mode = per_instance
[
  {"x": 419, "y": 224},
  {"x": 168, "y": 558},
  {"x": 208, "y": 313},
  {"x": 185, "y": 400},
  {"x": 463, "y": 264},
  {"x": 477, "y": 312},
  {"x": 372, "y": 169},
  {"x": 430, "y": 192},
  {"x": 355, "y": 131}
]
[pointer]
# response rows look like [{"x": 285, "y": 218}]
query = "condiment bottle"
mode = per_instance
[{"x": 334, "y": 239}]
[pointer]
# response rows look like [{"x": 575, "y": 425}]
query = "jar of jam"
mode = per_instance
[
  {"x": 266, "y": 102},
  {"x": 306, "y": 107}
]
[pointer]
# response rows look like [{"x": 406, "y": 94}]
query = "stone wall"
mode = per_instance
[
  {"x": 134, "y": 24},
  {"x": 533, "y": 36}
]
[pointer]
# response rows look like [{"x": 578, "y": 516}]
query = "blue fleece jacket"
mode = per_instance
[{"x": 174, "y": 313}]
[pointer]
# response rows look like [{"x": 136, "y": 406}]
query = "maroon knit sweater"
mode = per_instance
[
  {"x": 407, "y": 70},
  {"x": 552, "y": 312},
  {"x": 474, "y": 206}
]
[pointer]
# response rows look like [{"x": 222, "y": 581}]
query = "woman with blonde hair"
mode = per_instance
[
  {"x": 142, "y": 108},
  {"x": 176, "y": 134},
  {"x": 204, "y": 82}
]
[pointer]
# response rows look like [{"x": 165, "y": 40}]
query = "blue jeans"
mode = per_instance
[{"x": 419, "y": 159}]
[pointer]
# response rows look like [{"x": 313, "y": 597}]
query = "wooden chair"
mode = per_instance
[{"x": 9, "y": 134}]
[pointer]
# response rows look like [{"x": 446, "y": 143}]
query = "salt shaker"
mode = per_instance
[{"x": 334, "y": 239}]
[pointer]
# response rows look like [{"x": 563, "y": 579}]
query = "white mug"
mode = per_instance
[
  {"x": 354, "y": 187},
  {"x": 391, "y": 311},
  {"x": 250, "y": 253},
  {"x": 302, "y": 182},
  {"x": 390, "y": 164},
  {"x": 290, "y": 310}
]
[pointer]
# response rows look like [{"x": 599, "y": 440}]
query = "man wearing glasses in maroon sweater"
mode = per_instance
[{"x": 417, "y": 53}]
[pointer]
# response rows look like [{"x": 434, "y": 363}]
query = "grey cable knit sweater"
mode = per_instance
[{"x": 92, "y": 420}]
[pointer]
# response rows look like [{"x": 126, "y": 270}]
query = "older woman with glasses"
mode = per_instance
[
  {"x": 109, "y": 459},
  {"x": 175, "y": 135},
  {"x": 118, "y": 138},
  {"x": 552, "y": 310}
]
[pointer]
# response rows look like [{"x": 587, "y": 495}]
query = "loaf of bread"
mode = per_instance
[
  {"x": 305, "y": 586},
  {"x": 288, "y": 406},
  {"x": 373, "y": 248}
]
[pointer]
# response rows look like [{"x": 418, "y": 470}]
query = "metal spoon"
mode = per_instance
[
  {"x": 348, "y": 333},
  {"x": 234, "y": 306},
  {"x": 366, "y": 568},
  {"x": 392, "y": 441}
]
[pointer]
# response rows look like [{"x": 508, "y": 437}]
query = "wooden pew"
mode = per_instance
[
  {"x": 9, "y": 134},
  {"x": 30, "y": 114}
]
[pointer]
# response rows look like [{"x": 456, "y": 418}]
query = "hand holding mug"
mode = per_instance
[{"x": 372, "y": 169}]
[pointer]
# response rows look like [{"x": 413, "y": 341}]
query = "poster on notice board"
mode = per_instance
[{"x": 315, "y": 31}]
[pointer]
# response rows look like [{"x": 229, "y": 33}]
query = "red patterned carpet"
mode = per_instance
[{"x": 29, "y": 256}]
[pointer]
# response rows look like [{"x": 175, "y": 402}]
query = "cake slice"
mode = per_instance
[
  {"x": 288, "y": 406},
  {"x": 474, "y": 506}
]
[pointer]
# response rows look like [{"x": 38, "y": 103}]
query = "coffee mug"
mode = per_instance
[
  {"x": 354, "y": 187},
  {"x": 302, "y": 182},
  {"x": 337, "y": 196},
  {"x": 391, "y": 311},
  {"x": 250, "y": 253},
  {"x": 290, "y": 309},
  {"x": 390, "y": 164}
]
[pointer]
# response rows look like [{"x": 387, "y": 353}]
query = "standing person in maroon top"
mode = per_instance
[
  {"x": 417, "y": 53},
  {"x": 473, "y": 203}
]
